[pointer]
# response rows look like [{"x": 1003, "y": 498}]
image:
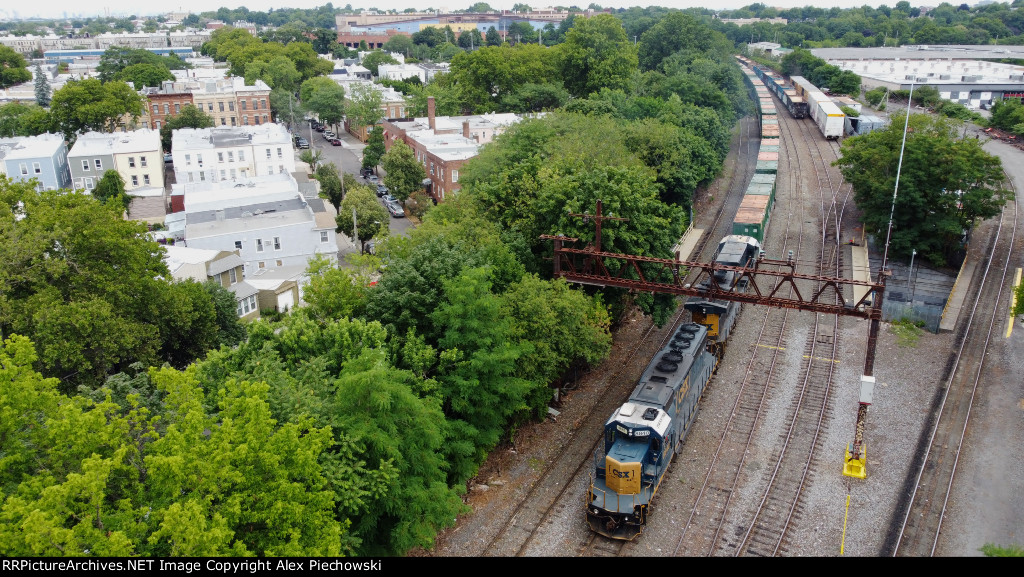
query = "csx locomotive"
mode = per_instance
[{"x": 642, "y": 436}]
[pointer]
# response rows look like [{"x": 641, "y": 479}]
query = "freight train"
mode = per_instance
[
  {"x": 643, "y": 435},
  {"x": 802, "y": 99}
]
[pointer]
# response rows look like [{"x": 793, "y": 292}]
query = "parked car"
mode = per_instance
[
  {"x": 364, "y": 172},
  {"x": 388, "y": 199},
  {"x": 372, "y": 178},
  {"x": 381, "y": 190},
  {"x": 302, "y": 143},
  {"x": 167, "y": 157},
  {"x": 329, "y": 134},
  {"x": 335, "y": 141},
  {"x": 395, "y": 209}
]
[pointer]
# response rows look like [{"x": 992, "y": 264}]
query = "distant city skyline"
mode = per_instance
[{"x": 121, "y": 8}]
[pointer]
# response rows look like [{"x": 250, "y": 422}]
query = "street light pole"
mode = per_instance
[{"x": 913, "y": 253}]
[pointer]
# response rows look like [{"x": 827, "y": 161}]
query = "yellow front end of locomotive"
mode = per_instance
[{"x": 623, "y": 478}]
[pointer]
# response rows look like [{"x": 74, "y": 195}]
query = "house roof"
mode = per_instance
[{"x": 103, "y": 143}]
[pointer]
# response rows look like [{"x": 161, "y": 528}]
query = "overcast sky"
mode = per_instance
[{"x": 60, "y": 8}]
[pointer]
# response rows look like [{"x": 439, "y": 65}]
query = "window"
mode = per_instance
[
  {"x": 131, "y": 162},
  {"x": 323, "y": 236},
  {"x": 231, "y": 106},
  {"x": 156, "y": 109},
  {"x": 245, "y": 121},
  {"x": 85, "y": 165},
  {"x": 232, "y": 121},
  {"x": 99, "y": 164},
  {"x": 279, "y": 262},
  {"x": 233, "y": 276},
  {"x": 270, "y": 170},
  {"x": 88, "y": 183},
  {"x": 223, "y": 174},
  {"x": 262, "y": 264},
  {"x": 245, "y": 105},
  {"x": 259, "y": 246},
  {"x": 158, "y": 123},
  {"x": 188, "y": 160},
  {"x": 268, "y": 154},
  {"x": 142, "y": 161},
  {"x": 167, "y": 108},
  {"x": 202, "y": 176},
  {"x": 220, "y": 105},
  {"x": 277, "y": 243},
  {"x": 231, "y": 156},
  {"x": 279, "y": 155},
  {"x": 145, "y": 179},
  {"x": 263, "y": 105},
  {"x": 238, "y": 244},
  {"x": 191, "y": 177},
  {"x": 455, "y": 176},
  {"x": 241, "y": 156},
  {"x": 264, "y": 119},
  {"x": 209, "y": 106},
  {"x": 233, "y": 174},
  {"x": 177, "y": 108},
  {"x": 24, "y": 169},
  {"x": 223, "y": 122},
  {"x": 280, "y": 168},
  {"x": 135, "y": 180},
  {"x": 199, "y": 160},
  {"x": 220, "y": 157},
  {"x": 256, "y": 120}
]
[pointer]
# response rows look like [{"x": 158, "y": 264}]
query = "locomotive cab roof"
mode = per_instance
[
  {"x": 631, "y": 416},
  {"x": 736, "y": 250}
]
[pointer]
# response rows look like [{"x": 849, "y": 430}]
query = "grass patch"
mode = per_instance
[
  {"x": 907, "y": 332},
  {"x": 991, "y": 550}
]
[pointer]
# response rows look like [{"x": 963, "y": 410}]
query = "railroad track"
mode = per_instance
[
  {"x": 553, "y": 492},
  {"x": 702, "y": 531},
  {"x": 795, "y": 459},
  {"x": 917, "y": 525}
]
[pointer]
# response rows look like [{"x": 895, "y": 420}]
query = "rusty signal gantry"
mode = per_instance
[{"x": 589, "y": 266}]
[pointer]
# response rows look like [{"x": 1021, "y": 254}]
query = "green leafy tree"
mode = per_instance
[
  {"x": 13, "y": 68},
  {"x": 327, "y": 102},
  {"x": 334, "y": 293},
  {"x": 331, "y": 186},
  {"x": 404, "y": 174},
  {"x": 397, "y": 427},
  {"x": 20, "y": 119},
  {"x": 142, "y": 75},
  {"x": 110, "y": 190},
  {"x": 285, "y": 107},
  {"x": 375, "y": 148},
  {"x": 312, "y": 157},
  {"x": 478, "y": 370},
  {"x": 90, "y": 105},
  {"x": 116, "y": 59},
  {"x": 374, "y": 59},
  {"x": 597, "y": 54},
  {"x": 371, "y": 218},
  {"x": 94, "y": 306},
  {"x": 43, "y": 91},
  {"x": 189, "y": 117},
  {"x": 493, "y": 36},
  {"x": 364, "y": 107},
  {"x": 230, "y": 330},
  {"x": 946, "y": 185},
  {"x": 563, "y": 327}
]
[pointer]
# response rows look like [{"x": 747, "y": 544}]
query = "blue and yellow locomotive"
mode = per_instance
[{"x": 642, "y": 436}]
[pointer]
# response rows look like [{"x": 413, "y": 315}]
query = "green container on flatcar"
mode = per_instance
[{"x": 767, "y": 167}]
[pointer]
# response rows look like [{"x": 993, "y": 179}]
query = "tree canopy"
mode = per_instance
[
  {"x": 404, "y": 173},
  {"x": 934, "y": 208}
]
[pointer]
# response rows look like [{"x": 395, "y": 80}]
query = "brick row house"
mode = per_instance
[
  {"x": 229, "y": 101},
  {"x": 443, "y": 144}
]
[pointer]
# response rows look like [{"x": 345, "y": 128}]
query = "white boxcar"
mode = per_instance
[{"x": 830, "y": 120}]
